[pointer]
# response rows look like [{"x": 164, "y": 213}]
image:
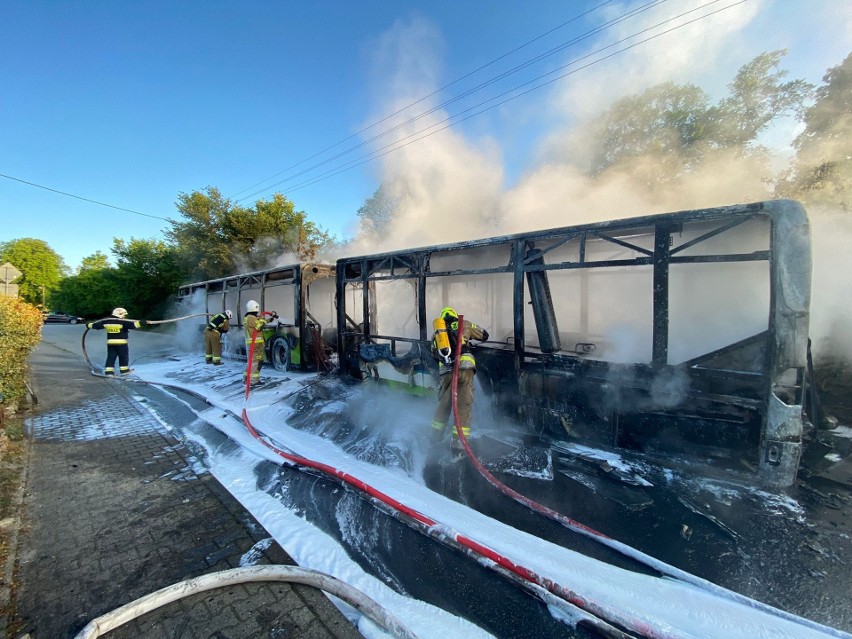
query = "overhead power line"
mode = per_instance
[
  {"x": 425, "y": 97},
  {"x": 411, "y": 139},
  {"x": 446, "y": 103},
  {"x": 85, "y": 199}
]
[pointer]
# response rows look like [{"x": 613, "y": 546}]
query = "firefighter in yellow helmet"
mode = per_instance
[
  {"x": 444, "y": 351},
  {"x": 117, "y": 327},
  {"x": 253, "y": 325}
]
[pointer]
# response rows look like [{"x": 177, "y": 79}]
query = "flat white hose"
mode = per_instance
[{"x": 294, "y": 574}]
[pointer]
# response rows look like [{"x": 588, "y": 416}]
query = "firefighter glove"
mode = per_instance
[{"x": 484, "y": 335}]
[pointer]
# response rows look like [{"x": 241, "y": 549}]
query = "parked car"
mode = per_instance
[{"x": 61, "y": 318}]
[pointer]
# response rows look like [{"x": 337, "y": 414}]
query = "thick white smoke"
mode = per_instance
[{"x": 452, "y": 188}]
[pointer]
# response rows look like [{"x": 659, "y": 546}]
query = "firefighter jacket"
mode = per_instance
[
  {"x": 470, "y": 331},
  {"x": 219, "y": 323},
  {"x": 117, "y": 329},
  {"x": 252, "y": 323}
]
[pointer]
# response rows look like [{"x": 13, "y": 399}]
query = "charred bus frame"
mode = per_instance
[
  {"x": 304, "y": 329},
  {"x": 711, "y": 306}
]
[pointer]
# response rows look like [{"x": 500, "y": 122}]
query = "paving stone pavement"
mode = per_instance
[{"x": 115, "y": 507}]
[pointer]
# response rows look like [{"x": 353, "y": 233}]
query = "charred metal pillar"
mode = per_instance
[
  {"x": 542, "y": 304},
  {"x": 422, "y": 268},
  {"x": 518, "y": 300},
  {"x": 781, "y": 439},
  {"x": 662, "y": 240}
]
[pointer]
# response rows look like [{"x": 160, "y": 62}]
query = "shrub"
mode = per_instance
[{"x": 20, "y": 331}]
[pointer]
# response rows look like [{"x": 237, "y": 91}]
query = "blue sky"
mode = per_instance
[{"x": 130, "y": 104}]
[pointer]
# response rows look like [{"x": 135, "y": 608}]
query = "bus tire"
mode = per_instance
[{"x": 279, "y": 354}]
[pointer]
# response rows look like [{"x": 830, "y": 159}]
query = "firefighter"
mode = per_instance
[
  {"x": 253, "y": 322},
  {"x": 444, "y": 351},
  {"x": 218, "y": 325},
  {"x": 117, "y": 327}
]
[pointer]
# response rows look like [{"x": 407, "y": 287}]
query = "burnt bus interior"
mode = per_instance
[
  {"x": 301, "y": 294},
  {"x": 676, "y": 335}
]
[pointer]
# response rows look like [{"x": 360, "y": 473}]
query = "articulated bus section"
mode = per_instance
[
  {"x": 301, "y": 294},
  {"x": 682, "y": 336}
]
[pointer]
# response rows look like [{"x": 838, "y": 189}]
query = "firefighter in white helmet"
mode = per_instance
[
  {"x": 218, "y": 325},
  {"x": 117, "y": 327},
  {"x": 253, "y": 325}
]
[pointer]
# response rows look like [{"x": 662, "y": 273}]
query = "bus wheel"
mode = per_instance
[{"x": 279, "y": 354}]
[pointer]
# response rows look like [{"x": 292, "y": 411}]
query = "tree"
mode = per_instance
[
  {"x": 377, "y": 212},
  {"x": 95, "y": 261},
  {"x": 670, "y": 129},
  {"x": 666, "y": 121},
  {"x": 218, "y": 238},
  {"x": 148, "y": 274},
  {"x": 204, "y": 248},
  {"x": 758, "y": 96},
  {"x": 272, "y": 229},
  {"x": 41, "y": 268},
  {"x": 822, "y": 170},
  {"x": 93, "y": 292}
]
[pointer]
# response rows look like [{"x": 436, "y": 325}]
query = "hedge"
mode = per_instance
[{"x": 20, "y": 331}]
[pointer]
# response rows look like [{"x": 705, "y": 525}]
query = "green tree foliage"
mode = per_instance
[
  {"x": 95, "y": 261},
  {"x": 145, "y": 276},
  {"x": 758, "y": 95},
  {"x": 674, "y": 127},
  {"x": 148, "y": 274},
  {"x": 93, "y": 292},
  {"x": 202, "y": 238},
  {"x": 822, "y": 170},
  {"x": 217, "y": 238},
  {"x": 272, "y": 229},
  {"x": 666, "y": 121},
  {"x": 377, "y": 212},
  {"x": 41, "y": 267}
]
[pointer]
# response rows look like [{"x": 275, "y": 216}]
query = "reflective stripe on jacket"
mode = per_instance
[
  {"x": 252, "y": 323},
  {"x": 117, "y": 329},
  {"x": 219, "y": 322}
]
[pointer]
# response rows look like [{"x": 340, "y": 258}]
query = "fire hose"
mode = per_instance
[
  {"x": 147, "y": 322},
  {"x": 628, "y": 551},
  {"x": 606, "y": 619},
  {"x": 292, "y": 574}
]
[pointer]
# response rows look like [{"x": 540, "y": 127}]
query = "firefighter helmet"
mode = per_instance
[
  {"x": 119, "y": 312},
  {"x": 448, "y": 311},
  {"x": 229, "y": 314},
  {"x": 252, "y": 306}
]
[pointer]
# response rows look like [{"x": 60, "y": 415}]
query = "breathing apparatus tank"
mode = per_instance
[{"x": 442, "y": 341}]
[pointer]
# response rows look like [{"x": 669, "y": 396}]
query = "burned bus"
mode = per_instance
[
  {"x": 302, "y": 295},
  {"x": 678, "y": 336}
]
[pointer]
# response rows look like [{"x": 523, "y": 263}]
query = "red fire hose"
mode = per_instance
[
  {"x": 660, "y": 566},
  {"x": 604, "y": 618}
]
